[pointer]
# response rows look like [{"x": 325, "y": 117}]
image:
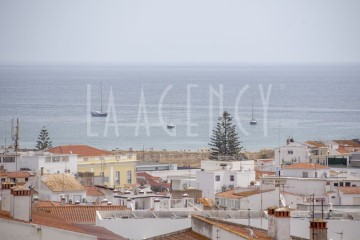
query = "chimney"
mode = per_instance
[
  {"x": 62, "y": 199},
  {"x": 21, "y": 203},
  {"x": 271, "y": 221},
  {"x": 282, "y": 224},
  {"x": 6, "y": 196},
  {"x": 156, "y": 204},
  {"x": 185, "y": 200},
  {"x": 318, "y": 230},
  {"x": 129, "y": 204}
]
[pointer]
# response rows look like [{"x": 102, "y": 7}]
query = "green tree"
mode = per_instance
[
  {"x": 43, "y": 141},
  {"x": 225, "y": 143}
]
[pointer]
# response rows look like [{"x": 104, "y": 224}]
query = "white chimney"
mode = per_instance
[
  {"x": 318, "y": 230},
  {"x": 129, "y": 203},
  {"x": 282, "y": 224},
  {"x": 6, "y": 196},
  {"x": 185, "y": 200},
  {"x": 271, "y": 222},
  {"x": 156, "y": 204},
  {"x": 21, "y": 203}
]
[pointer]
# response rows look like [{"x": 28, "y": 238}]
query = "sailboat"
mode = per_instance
[
  {"x": 170, "y": 124},
  {"x": 253, "y": 120},
  {"x": 99, "y": 113}
]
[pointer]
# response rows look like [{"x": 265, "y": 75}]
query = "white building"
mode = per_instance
[
  {"x": 305, "y": 170},
  {"x": 245, "y": 165},
  {"x": 247, "y": 198},
  {"x": 292, "y": 152},
  {"x": 39, "y": 161},
  {"x": 215, "y": 181},
  {"x": 53, "y": 187}
]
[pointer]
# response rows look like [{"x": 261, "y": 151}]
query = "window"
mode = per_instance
[
  {"x": 9, "y": 159},
  {"x": 290, "y": 152},
  {"x": 336, "y": 184},
  {"x": 347, "y": 184},
  {"x": 305, "y": 174},
  {"x": 341, "y": 184},
  {"x": 117, "y": 177},
  {"x": 0, "y": 159},
  {"x": 217, "y": 178},
  {"x": 129, "y": 177},
  {"x": 232, "y": 178},
  {"x": 332, "y": 196}
]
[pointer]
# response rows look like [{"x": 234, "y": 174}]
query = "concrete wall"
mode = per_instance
[
  {"x": 11, "y": 230},
  {"x": 312, "y": 173},
  {"x": 299, "y": 154}
]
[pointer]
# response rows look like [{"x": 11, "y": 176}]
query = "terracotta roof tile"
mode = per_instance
[
  {"x": 315, "y": 143},
  {"x": 19, "y": 174},
  {"x": 234, "y": 228},
  {"x": 80, "y": 213},
  {"x": 305, "y": 166},
  {"x": 93, "y": 191},
  {"x": 349, "y": 190},
  {"x": 233, "y": 194},
  {"x": 80, "y": 150},
  {"x": 347, "y": 142},
  {"x": 62, "y": 182}
]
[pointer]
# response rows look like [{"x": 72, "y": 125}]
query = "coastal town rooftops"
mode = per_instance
[
  {"x": 62, "y": 182},
  {"x": 93, "y": 191},
  {"x": 305, "y": 166},
  {"x": 80, "y": 150},
  {"x": 349, "y": 190}
]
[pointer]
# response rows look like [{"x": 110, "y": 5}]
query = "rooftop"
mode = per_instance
[
  {"x": 348, "y": 143},
  {"x": 80, "y": 150},
  {"x": 237, "y": 195},
  {"x": 305, "y": 166},
  {"x": 79, "y": 213},
  {"x": 62, "y": 182},
  {"x": 187, "y": 234},
  {"x": 237, "y": 229},
  {"x": 315, "y": 144},
  {"x": 349, "y": 190},
  {"x": 46, "y": 219},
  {"x": 93, "y": 191}
]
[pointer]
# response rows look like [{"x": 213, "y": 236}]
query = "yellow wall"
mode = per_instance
[{"x": 110, "y": 168}]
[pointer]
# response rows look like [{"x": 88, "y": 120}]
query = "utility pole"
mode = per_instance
[
  {"x": 261, "y": 199},
  {"x": 17, "y": 140}
]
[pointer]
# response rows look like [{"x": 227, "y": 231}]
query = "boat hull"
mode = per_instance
[{"x": 98, "y": 114}]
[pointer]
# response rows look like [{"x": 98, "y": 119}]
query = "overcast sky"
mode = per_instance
[{"x": 169, "y": 31}]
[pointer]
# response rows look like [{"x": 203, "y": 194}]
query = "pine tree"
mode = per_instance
[
  {"x": 43, "y": 141},
  {"x": 225, "y": 141}
]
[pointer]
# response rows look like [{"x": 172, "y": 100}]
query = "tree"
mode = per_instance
[
  {"x": 43, "y": 141},
  {"x": 225, "y": 142}
]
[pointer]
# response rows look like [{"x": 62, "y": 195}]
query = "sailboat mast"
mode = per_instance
[
  {"x": 252, "y": 110},
  {"x": 101, "y": 98}
]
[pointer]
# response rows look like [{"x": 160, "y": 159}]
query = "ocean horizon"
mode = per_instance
[{"x": 306, "y": 102}]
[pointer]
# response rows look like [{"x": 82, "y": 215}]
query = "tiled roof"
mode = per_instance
[
  {"x": 46, "y": 204},
  {"x": 315, "y": 144},
  {"x": 62, "y": 182},
  {"x": 80, "y": 213},
  {"x": 207, "y": 202},
  {"x": 186, "y": 234},
  {"x": 349, "y": 190},
  {"x": 234, "y": 228},
  {"x": 347, "y": 142},
  {"x": 233, "y": 194},
  {"x": 93, "y": 191},
  {"x": 262, "y": 173},
  {"x": 19, "y": 174},
  {"x": 46, "y": 219},
  {"x": 80, "y": 150},
  {"x": 305, "y": 166}
]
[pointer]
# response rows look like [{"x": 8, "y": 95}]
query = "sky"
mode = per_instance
[{"x": 179, "y": 31}]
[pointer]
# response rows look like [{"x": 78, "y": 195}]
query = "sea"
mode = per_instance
[{"x": 305, "y": 102}]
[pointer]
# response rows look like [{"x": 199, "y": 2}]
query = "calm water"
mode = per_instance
[{"x": 317, "y": 102}]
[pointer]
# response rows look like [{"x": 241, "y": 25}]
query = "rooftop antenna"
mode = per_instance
[{"x": 17, "y": 135}]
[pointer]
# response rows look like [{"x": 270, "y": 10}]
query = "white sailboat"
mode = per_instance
[
  {"x": 170, "y": 123},
  {"x": 99, "y": 113},
  {"x": 253, "y": 120}
]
